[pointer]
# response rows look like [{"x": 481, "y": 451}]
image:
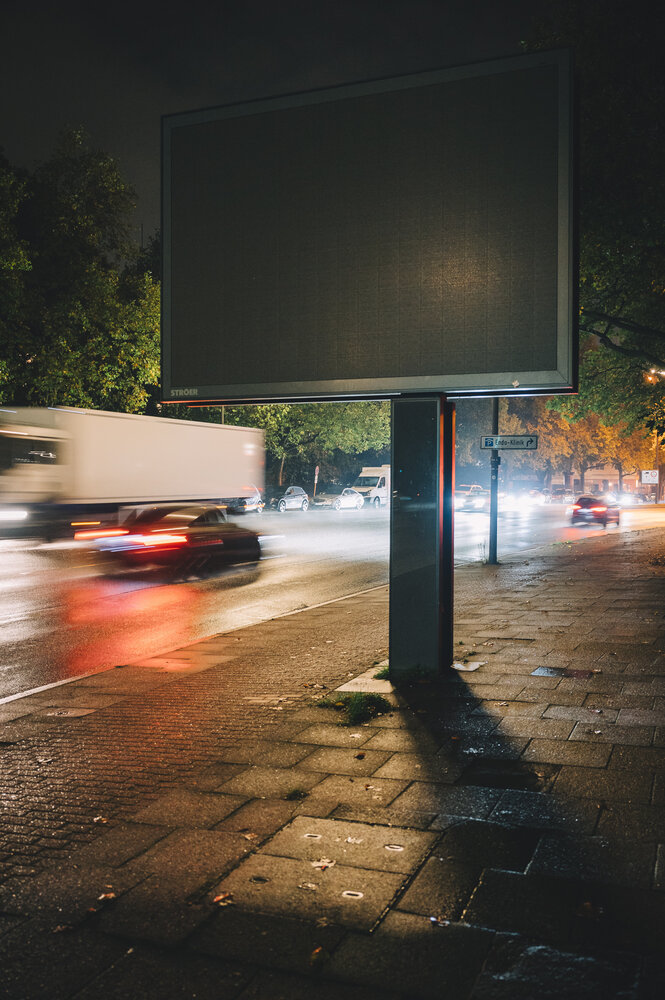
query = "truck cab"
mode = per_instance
[{"x": 373, "y": 483}]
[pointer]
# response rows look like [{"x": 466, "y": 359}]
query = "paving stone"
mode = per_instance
[
  {"x": 554, "y": 697},
  {"x": 569, "y": 912},
  {"x": 360, "y": 845},
  {"x": 473, "y": 802},
  {"x": 633, "y": 821},
  {"x": 530, "y": 709},
  {"x": 510, "y": 774},
  {"x": 274, "y": 942},
  {"x": 637, "y": 758},
  {"x": 39, "y": 963},
  {"x": 65, "y": 892},
  {"x": 157, "y": 910},
  {"x": 613, "y": 786},
  {"x": 340, "y": 760},
  {"x": 389, "y": 816},
  {"x": 287, "y": 887},
  {"x": 270, "y": 782},
  {"x": 608, "y": 732},
  {"x": 182, "y": 807},
  {"x": 448, "y": 878},
  {"x": 546, "y": 727},
  {"x": 366, "y": 792},
  {"x": 518, "y": 970},
  {"x": 490, "y": 747},
  {"x": 118, "y": 845},
  {"x": 534, "y": 809},
  {"x": 213, "y": 777},
  {"x": 409, "y": 955},
  {"x": 261, "y": 817},
  {"x": 152, "y": 975},
  {"x": 405, "y": 741},
  {"x": 278, "y": 986},
  {"x": 337, "y": 736},
  {"x": 208, "y": 853},
  {"x": 415, "y": 766},
  {"x": 565, "y": 752},
  {"x": 594, "y": 859},
  {"x": 580, "y": 714}
]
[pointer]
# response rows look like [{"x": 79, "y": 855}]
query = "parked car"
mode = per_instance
[
  {"x": 188, "y": 537},
  {"x": 339, "y": 498},
  {"x": 591, "y": 510},
  {"x": 291, "y": 498},
  {"x": 251, "y": 504}
]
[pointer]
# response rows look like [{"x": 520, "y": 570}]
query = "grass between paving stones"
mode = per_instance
[
  {"x": 383, "y": 674},
  {"x": 357, "y": 706}
]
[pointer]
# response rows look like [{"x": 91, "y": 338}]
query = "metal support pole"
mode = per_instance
[
  {"x": 421, "y": 537},
  {"x": 495, "y": 462}
]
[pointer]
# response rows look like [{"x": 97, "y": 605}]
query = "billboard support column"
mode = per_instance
[{"x": 421, "y": 537}]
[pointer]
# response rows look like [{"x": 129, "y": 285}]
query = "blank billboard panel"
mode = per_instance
[{"x": 403, "y": 236}]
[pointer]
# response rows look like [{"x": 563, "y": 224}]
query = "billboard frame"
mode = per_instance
[{"x": 562, "y": 379}]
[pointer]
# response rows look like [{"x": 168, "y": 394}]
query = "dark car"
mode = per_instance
[
  {"x": 249, "y": 504},
  {"x": 291, "y": 498},
  {"x": 591, "y": 510},
  {"x": 188, "y": 537}
]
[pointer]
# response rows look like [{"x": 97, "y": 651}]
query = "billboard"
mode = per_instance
[{"x": 404, "y": 236}]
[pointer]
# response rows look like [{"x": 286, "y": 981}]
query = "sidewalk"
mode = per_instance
[{"x": 197, "y": 826}]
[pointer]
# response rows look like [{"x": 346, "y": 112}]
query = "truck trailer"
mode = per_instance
[{"x": 60, "y": 466}]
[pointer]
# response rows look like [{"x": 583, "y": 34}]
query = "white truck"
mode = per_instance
[
  {"x": 61, "y": 466},
  {"x": 373, "y": 483}
]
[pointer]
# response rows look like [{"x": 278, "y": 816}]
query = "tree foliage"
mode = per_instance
[
  {"x": 300, "y": 434},
  {"x": 80, "y": 317}
]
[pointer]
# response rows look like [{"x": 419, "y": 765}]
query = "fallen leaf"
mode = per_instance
[
  {"x": 224, "y": 899},
  {"x": 105, "y": 896},
  {"x": 100, "y": 819}
]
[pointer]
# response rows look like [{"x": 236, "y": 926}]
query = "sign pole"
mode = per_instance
[{"x": 495, "y": 461}]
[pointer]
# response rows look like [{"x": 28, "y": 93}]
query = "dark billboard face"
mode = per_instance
[{"x": 404, "y": 236}]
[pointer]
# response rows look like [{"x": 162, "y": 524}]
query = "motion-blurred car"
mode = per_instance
[
  {"x": 591, "y": 510},
  {"x": 477, "y": 499},
  {"x": 624, "y": 499},
  {"x": 339, "y": 498},
  {"x": 465, "y": 494},
  {"x": 291, "y": 498},
  {"x": 187, "y": 537},
  {"x": 561, "y": 494},
  {"x": 251, "y": 504}
]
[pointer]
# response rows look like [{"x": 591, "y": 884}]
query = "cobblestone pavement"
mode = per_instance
[{"x": 198, "y": 825}]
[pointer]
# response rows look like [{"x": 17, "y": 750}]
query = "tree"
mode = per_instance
[
  {"x": 312, "y": 431},
  {"x": 84, "y": 328}
]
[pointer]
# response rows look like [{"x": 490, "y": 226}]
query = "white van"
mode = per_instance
[{"x": 374, "y": 485}]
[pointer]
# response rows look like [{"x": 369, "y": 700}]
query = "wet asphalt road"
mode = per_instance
[{"x": 63, "y": 614}]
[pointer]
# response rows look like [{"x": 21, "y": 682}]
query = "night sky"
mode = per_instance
[{"x": 116, "y": 68}]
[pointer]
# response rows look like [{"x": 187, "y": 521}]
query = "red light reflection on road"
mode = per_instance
[{"x": 114, "y": 627}]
